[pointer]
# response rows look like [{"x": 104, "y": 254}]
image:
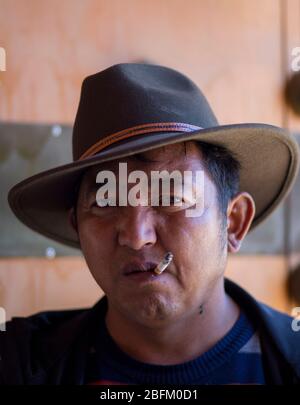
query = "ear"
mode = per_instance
[
  {"x": 73, "y": 219},
  {"x": 240, "y": 214}
]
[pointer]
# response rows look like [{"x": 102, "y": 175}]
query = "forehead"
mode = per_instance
[{"x": 180, "y": 156}]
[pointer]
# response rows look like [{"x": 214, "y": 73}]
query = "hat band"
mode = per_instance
[{"x": 137, "y": 130}]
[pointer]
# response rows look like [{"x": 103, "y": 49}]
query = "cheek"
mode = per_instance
[
  {"x": 198, "y": 249},
  {"x": 97, "y": 246}
]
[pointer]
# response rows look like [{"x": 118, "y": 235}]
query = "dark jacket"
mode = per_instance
[{"x": 51, "y": 347}]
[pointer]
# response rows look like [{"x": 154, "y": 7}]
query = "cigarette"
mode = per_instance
[{"x": 164, "y": 263}]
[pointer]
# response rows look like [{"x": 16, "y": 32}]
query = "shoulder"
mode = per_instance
[
  {"x": 34, "y": 343},
  {"x": 278, "y": 323},
  {"x": 277, "y": 328},
  {"x": 19, "y": 327},
  {"x": 48, "y": 319}
]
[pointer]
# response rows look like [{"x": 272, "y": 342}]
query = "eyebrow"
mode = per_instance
[
  {"x": 143, "y": 158},
  {"x": 93, "y": 186}
]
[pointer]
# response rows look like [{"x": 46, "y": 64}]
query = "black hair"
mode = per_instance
[{"x": 224, "y": 169}]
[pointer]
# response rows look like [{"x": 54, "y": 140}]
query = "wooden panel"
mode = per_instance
[
  {"x": 231, "y": 48},
  {"x": 29, "y": 285},
  {"x": 262, "y": 276},
  {"x": 292, "y": 33}
]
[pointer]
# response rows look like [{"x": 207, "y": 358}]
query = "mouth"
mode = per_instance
[{"x": 139, "y": 267}]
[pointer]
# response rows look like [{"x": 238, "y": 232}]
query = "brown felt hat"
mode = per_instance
[{"x": 131, "y": 107}]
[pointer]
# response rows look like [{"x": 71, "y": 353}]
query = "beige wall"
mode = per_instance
[{"x": 238, "y": 51}]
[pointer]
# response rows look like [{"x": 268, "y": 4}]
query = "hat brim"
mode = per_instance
[{"x": 268, "y": 155}]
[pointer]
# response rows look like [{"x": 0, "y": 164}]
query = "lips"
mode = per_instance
[{"x": 138, "y": 267}]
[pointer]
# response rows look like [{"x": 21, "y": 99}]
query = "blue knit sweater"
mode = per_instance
[{"x": 235, "y": 359}]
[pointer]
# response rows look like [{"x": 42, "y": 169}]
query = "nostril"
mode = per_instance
[{"x": 136, "y": 239}]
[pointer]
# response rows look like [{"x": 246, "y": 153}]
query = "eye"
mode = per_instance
[
  {"x": 171, "y": 201},
  {"x": 176, "y": 200},
  {"x": 104, "y": 211},
  {"x": 102, "y": 203}
]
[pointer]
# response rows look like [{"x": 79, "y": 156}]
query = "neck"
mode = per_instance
[{"x": 177, "y": 341}]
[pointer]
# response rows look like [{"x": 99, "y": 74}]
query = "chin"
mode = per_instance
[{"x": 152, "y": 310}]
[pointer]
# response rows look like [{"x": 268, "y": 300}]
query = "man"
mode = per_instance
[{"x": 185, "y": 325}]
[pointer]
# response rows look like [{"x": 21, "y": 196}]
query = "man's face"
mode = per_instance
[{"x": 113, "y": 237}]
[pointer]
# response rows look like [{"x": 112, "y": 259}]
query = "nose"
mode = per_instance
[{"x": 136, "y": 228}]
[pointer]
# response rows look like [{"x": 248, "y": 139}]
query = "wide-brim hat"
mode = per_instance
[{"x": 130, "y": 108}]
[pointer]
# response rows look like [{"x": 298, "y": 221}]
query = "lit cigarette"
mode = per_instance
[{"x": 164, "y": 263}]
